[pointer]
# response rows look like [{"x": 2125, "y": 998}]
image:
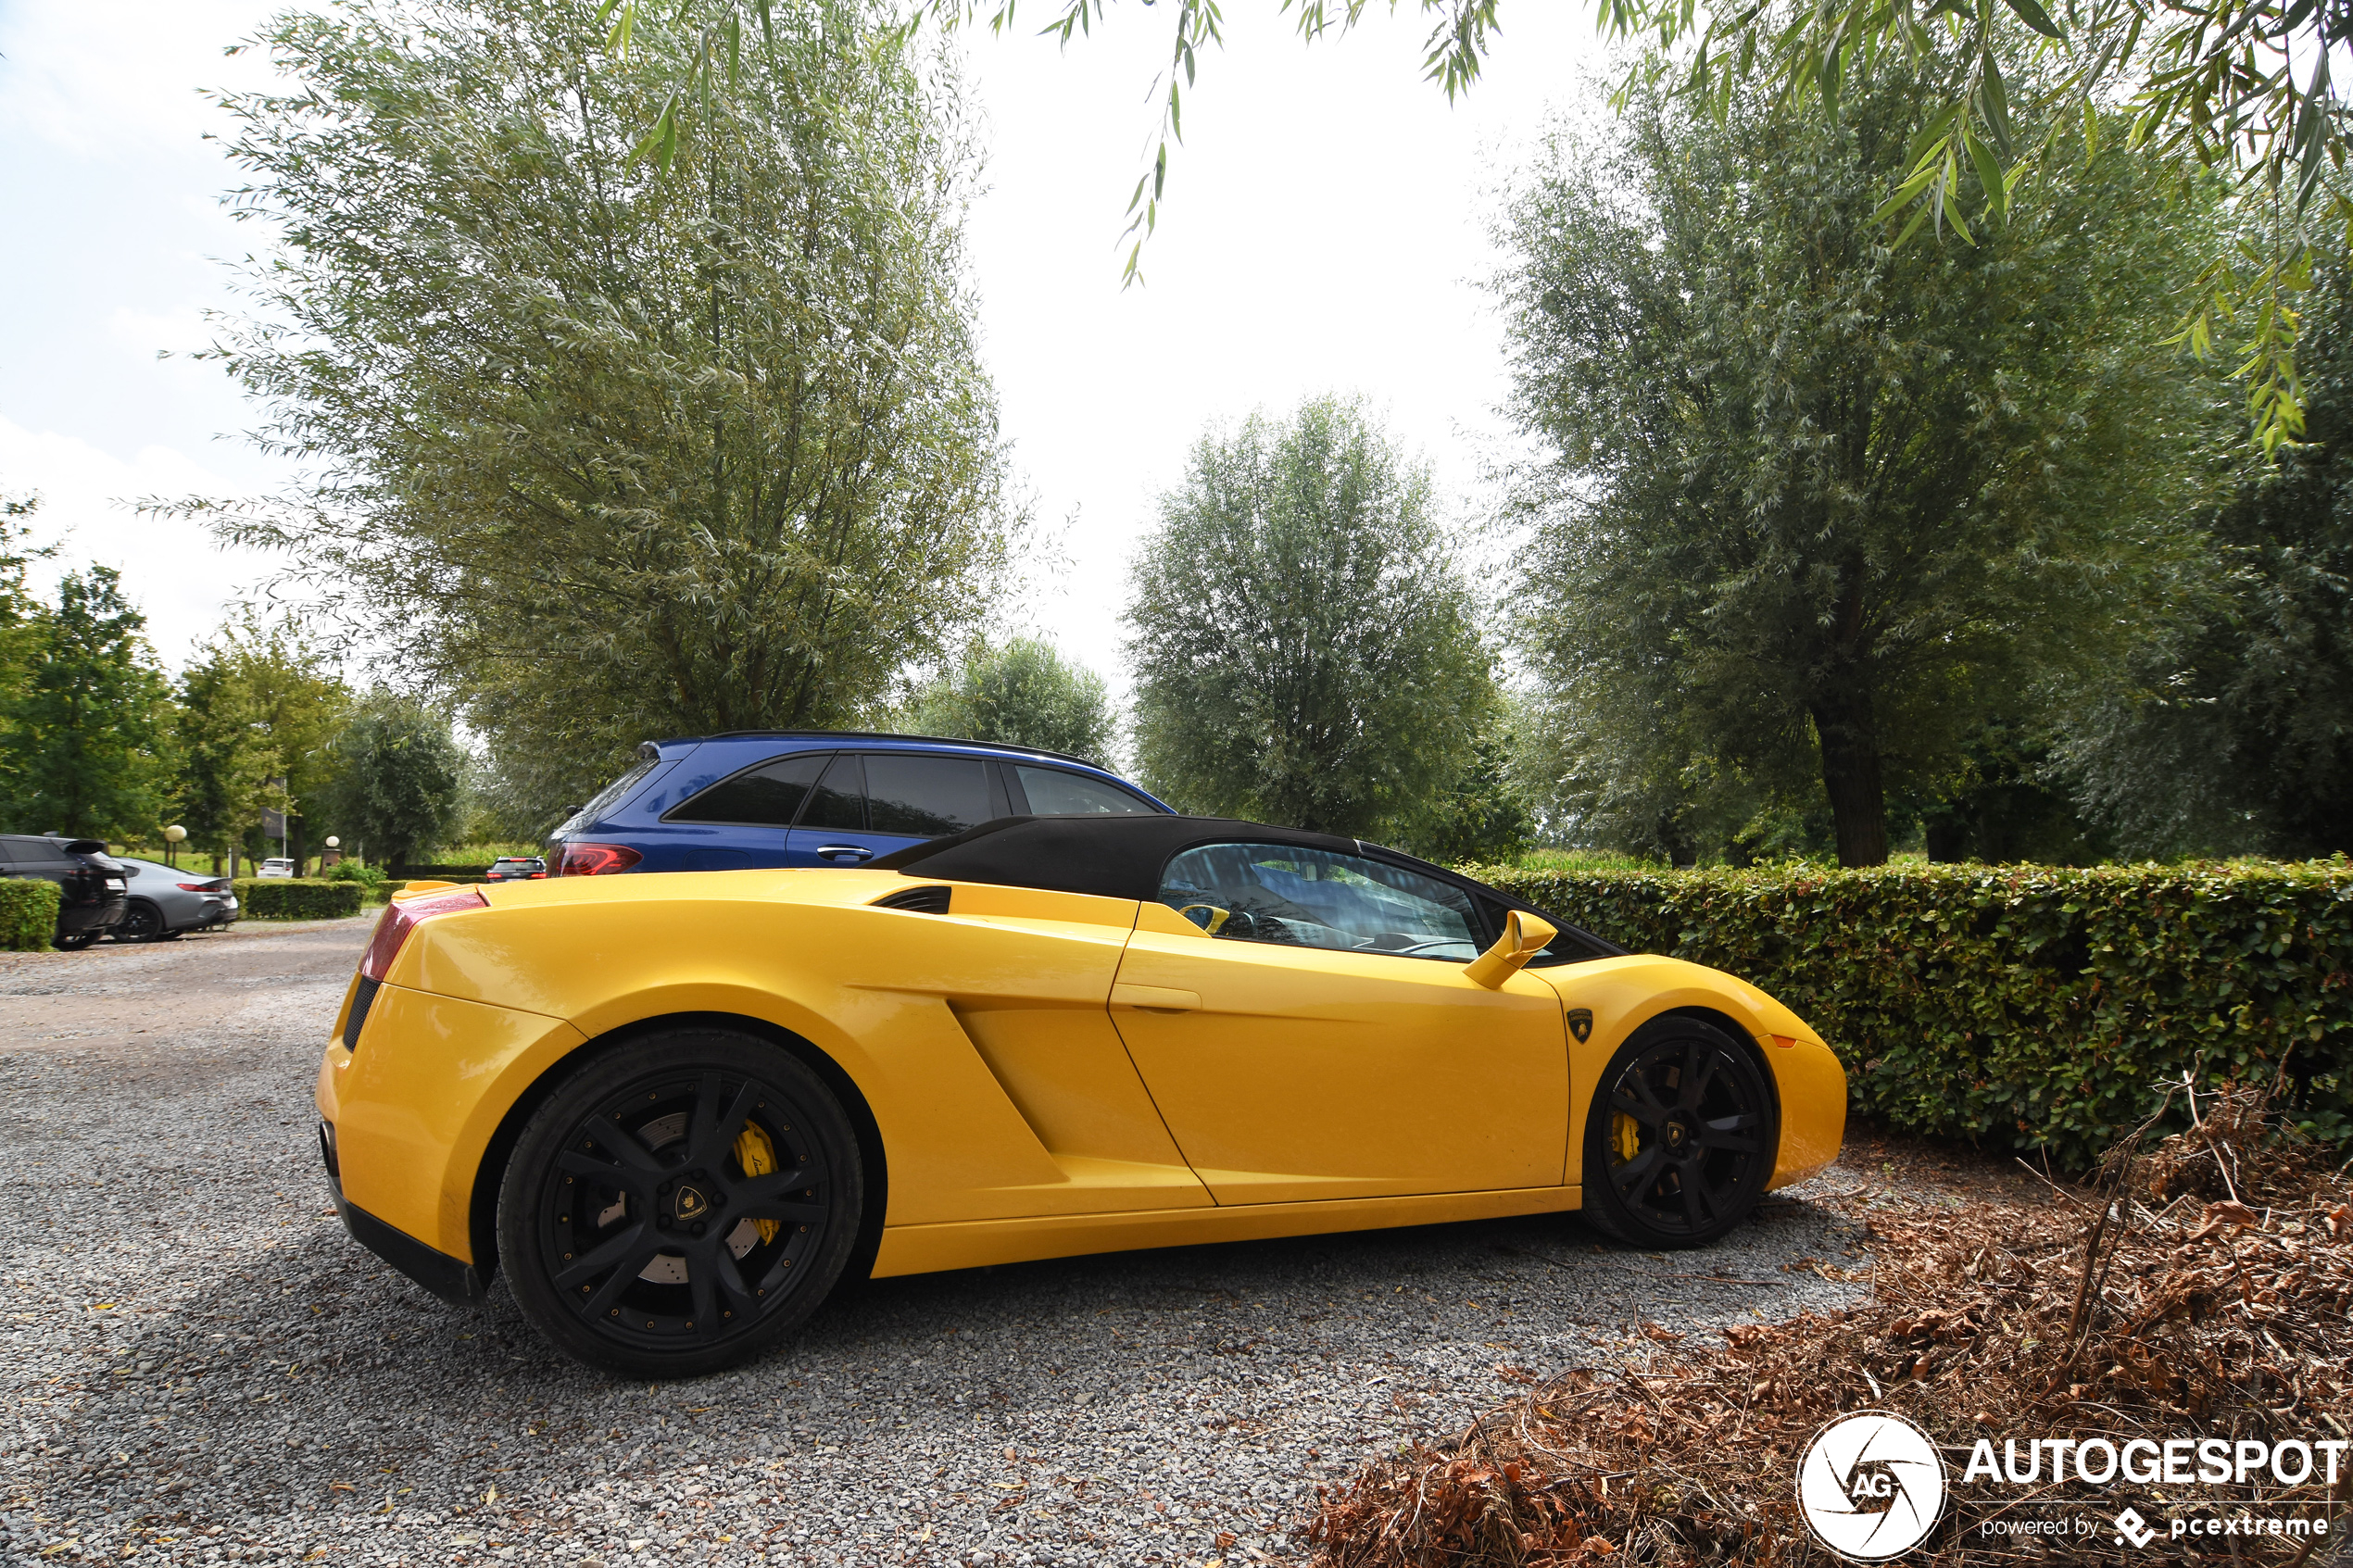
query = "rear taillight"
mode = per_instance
[
  {"x": 536, "y": 876},
  {"x": 595, "y": 859},
  {"x": 403, "y": 915}
]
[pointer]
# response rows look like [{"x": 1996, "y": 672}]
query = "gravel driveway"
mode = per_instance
[{"x": 202, "y": 1367}]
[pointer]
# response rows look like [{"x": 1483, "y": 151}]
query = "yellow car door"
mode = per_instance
[{"x": 1305, "y": 1024}]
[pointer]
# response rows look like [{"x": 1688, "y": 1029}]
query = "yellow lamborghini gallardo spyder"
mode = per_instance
[{"x": 677, "y": 1108}]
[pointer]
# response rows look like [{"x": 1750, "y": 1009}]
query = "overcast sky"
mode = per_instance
[{"x": 1325, "y": 230}]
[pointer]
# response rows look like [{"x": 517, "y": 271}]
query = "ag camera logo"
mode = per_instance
[{"x": 1871, "y": 1485}]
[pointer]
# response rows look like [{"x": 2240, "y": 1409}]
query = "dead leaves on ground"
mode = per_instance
[{"x": 2199, "y": 1287}]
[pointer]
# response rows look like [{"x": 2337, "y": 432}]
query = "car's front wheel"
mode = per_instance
[
  {"x": 1681, "y": 1138},
  {"x": 679, "y": 1203}
]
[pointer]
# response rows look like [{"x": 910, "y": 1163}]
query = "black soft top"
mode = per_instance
[
  {"x": 1122, "y": 857},
  {"x": 1111, "y": 855}
]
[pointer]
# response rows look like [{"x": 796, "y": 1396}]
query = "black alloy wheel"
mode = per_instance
[
  {"x": 142, "y": 921},
  {"x": 1681, "y": 1138},
  {"x": 679, "y": 1203}
]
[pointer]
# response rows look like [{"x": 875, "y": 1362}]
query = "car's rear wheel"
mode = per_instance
[
  {"x": 141, "y": 922},
  {"x": 1681, "y": 1138},
  {"x": 679, "y": 1203}
]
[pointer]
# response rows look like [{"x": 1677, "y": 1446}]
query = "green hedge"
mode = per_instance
[
  {"x": 2022, "y": 1006},
  {"x": 28, "y": 914},
  {"x": 281, "y": 898}
]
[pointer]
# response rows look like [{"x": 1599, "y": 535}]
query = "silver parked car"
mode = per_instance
[{"x": 166, "y": 900}]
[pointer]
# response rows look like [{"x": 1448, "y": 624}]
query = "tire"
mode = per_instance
[
  {"x": 657, "y": 1291},
  {"x": 142, "y": 921},
  {"x": 74, "y": 943},
  {"x": 1681, "y": 1138}
]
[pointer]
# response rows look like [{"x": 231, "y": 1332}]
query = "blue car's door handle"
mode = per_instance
[{"x": 836, "y": 851}]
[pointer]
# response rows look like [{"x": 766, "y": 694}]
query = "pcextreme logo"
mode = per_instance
[{"x": 1871, "y": 1485}]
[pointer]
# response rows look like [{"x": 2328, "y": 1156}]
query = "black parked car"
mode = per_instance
[{"x": 90, "y": 882}]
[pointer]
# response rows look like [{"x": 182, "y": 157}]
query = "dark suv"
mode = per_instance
[
  {"x": 817, "y": 798},
  {"x": 90, "y": 882}
]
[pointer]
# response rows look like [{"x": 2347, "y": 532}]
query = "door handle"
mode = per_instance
[
  {"x": 834, "y": 851},
  {"x": 1158, "y": 999}
]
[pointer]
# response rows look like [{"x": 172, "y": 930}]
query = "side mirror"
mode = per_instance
[{"x": 1524, "y": 937}]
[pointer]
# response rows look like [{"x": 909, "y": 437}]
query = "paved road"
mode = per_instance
[{"x": 200, "y": 1367}]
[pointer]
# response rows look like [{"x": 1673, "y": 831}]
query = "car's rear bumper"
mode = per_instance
[
  {"x": 203, "y": 918},
  {"x": 414, "y": 1110},
  {"x": 452, "y": 1279},
  {"x": 104, "y": 915}
]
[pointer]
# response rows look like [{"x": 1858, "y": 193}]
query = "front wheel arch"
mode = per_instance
[{"x": 482, "y": 1216}]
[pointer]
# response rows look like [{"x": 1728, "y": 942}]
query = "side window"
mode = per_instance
[
  {"x": 604, "y": 798},
  {"x": 1314, "y": 898},
  {"x": 768, "y": 796},
  {"x": 839, "y": 799},
  {"x": 926, "y": 796},
  {"x": 1053, "y": 793}
]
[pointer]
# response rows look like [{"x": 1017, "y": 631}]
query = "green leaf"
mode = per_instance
[
  {"x": 1929, "y": 145},
  {"x": 2033, "y": 15},
  {"x": 1989, "y": 171},
  {"x": 1996, "y": 102}
]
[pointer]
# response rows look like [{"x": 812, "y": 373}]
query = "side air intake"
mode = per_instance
[{"x": 931, "y": 900}]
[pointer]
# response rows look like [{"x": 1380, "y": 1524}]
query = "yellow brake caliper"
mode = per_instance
[
  {"x": 757, "y": 1158},
  {"x": 1627, "y": 1134}
]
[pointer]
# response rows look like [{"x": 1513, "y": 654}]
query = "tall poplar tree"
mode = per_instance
[{"x": 85, "y": 750}]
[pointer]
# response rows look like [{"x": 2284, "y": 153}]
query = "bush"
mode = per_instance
[
  {"x": 354, "y": 871},
  {"x": 287, "y": 898},
  {"x": 2022, "y": 1006},
  {"x": 28, "y": 914}
]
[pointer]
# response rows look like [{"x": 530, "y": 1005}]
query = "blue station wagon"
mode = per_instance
[{"x": 746, "y": 799}]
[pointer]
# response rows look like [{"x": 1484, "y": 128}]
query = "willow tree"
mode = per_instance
[
  {"x": 1023, "y": 691},
  {"x": 1305, "y": 644},
  {"x": 1812, "y": 504},
  {"x": 605, "y": 453}
]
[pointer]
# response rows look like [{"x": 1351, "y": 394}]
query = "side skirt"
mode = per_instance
[{"x": 968, "y": 1244}]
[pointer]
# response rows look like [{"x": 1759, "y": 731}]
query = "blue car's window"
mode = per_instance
[
  {"x": 1314, "y": 898},
  {"x": 1053, "y": 793},
  {"x": 925, "y": 796},
  {"x": 768, "y": 796},
  {"x": 839, "y": 799},
  {"x": 604, "y": 798}
]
